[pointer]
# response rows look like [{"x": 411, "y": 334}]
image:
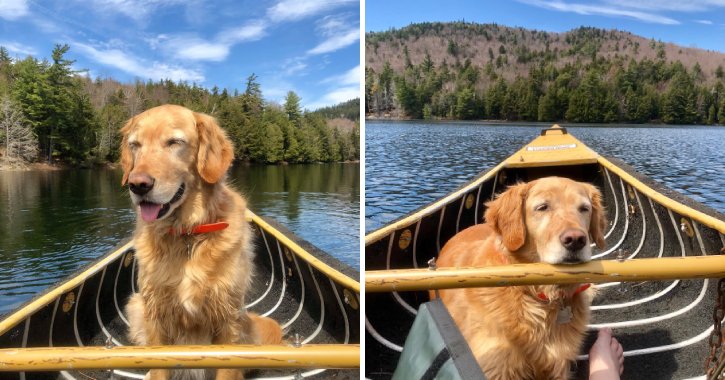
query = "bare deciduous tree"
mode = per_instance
[{"x": 20, "y": 143}]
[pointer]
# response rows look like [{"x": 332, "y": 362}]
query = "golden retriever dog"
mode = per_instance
[
  {"x": 527, "y": 332},
  {"x": 192, "y": 240}
]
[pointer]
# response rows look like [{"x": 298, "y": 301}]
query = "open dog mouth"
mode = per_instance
[{"x": 153, "y": 211}]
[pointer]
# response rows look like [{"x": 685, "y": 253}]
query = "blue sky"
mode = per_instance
[
  {"x": 308, "y": 46},
  {"x": 690, "y": 23}
]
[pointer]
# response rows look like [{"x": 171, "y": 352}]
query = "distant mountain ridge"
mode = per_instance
[
  {"x": 522, "y": 47},
  {"x": 463, "y": 70}
]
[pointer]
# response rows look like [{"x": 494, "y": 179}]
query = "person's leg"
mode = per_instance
[{"x": 606, "y": 357}]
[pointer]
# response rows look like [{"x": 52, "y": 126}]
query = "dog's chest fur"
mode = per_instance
[
  {"x": 527, "y": 336},
  {"x": 174, "y": 288}
]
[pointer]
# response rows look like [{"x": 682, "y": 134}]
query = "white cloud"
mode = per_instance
[
  {"x": 336, "y": 42},
  {"x": 330, "y": 25},
  {"x": 191, "y": 47},
  {"x": 202, "y": 51},
  {"x": 292, "y": 10},
  {"x": 335, "y": 96},
  {"x": 134, "y": 66},
  {"x": 19, "y": 49},
  {"x": 138, "y": 10},
  {"x": 275, "y": 89},
  {"x": 602, "y": 10},
  {"x": 669, "y": 5},
  {"x": 251, "y": 31},
  {"x": 704, "y": 22},
  {"x": 347, "y": 86},
  {"x": 350, "y": 77},
  {"x": 13, "y": 9},
  {"x": 293, "y": 66}
]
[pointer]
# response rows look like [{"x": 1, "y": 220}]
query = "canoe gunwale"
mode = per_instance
[
  {"x": 329, "y": 356},
  {"x": 310, "y": 355},
  {"x": 53, "y": 292},
  {"x": 337, "y": 271},
  {"x": 429, "y": 209},
  {"x": 666, "y": 197},
  {"x": 671, "y": 230},
  {"x": 659, "y": 193}
]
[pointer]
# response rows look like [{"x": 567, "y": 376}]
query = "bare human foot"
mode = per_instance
[{"x": 606, "y": 357}]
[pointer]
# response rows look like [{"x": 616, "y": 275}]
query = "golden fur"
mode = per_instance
[
  {"x": 513, "y": 333},
  {"x": 191, "y": 288}
]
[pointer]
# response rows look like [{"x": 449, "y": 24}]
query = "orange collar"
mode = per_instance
[
  {"x": 580, "y": 289},
  {"x": 200, "y": 229}
]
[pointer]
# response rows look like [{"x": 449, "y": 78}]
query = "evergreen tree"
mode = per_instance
[
  {"x": 292, "y": 107},
  {"x": 679, "y": 103},
  {"x": 465, "y": 104}
]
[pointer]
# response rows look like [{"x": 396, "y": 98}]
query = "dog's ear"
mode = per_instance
[
  {"x": 599, "y": 218},
  {"x": 126, "y": 156},
  {"x": 506, "y": 216},
  {"x": 215, "y": 150}
]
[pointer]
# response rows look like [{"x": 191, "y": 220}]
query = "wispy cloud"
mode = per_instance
[
  {"x": 350, "y": 77},
  {"x": 336, "y": 42},
  {"x": 130, "y": 64},
  {"x": 294, "y": 66},
  {"x": 251, "y": 31},
  {"x": 199, "y": 50},
  {"x": 334, "y": 97},
  {"x": 292, "y": 10},
  {"x": 13, "y": 9},
  {"x": 138, "y": 10},
  {"x": 18, "y": 49},
  {"x": 609, "y": 10},
  {"x": 669, "y": 5},
  {"x": 191, "y": 47},
  {"x": 704, "y": 22},
  {"x": 275, "y": 88},
  {"x": 346, "y": 86}
]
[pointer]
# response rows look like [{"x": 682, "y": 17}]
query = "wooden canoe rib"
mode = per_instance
[
  {"x": 654, "y": 277},
  {"x": 79, "y": 328}
]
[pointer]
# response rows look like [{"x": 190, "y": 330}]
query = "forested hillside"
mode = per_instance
[
  {"x": 50, "y": 113},
  {"x": 486, "y": 71}
]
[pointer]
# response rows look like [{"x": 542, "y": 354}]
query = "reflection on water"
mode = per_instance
[
  {"x": 320, "y": 203},
  {"x": 52, "y": 223},
  {"x": 411, "y": 164}
]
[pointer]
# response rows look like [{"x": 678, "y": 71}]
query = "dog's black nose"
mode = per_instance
[
  {"x": 140, "y": 184},
  {"x": 573, "y": 239}
]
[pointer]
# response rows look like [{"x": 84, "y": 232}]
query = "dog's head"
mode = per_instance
[
  {"x": 551, "y": 220},
  {"x": 166, "y": 151}
]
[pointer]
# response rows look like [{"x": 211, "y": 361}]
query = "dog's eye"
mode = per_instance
[
  {"x": 584, "y": 208},
  {"x": 133, "y": 145},
  {"x": 542, "y": 207},
  {"x": 172, "y": 142}
]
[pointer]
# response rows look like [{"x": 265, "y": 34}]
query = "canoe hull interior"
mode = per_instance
[
  {"x": 662, "y": 322},
  {"x": 303, "y": 298}
]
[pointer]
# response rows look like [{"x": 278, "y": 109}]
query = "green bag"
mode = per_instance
[{"x": 436, "y": 349}]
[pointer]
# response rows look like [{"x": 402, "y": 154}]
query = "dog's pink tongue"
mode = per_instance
[{"x": 149, "y": 211}]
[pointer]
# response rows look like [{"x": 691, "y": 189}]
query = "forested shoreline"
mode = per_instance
[
  {"x": 51, "y": 113},
  {"x": 451, "y": 71}
]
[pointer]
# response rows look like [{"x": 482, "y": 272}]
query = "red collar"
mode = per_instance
[
  {"x": 200, "y": 229},
  {"x": 580, "y": 289}
]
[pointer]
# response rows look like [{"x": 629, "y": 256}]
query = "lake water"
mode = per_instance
[
  {"x": 410, "y": 164},
  {"x": 53, "y": 223}
]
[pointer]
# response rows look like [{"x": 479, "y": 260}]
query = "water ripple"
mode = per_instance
[
  {"x": 54, "y": 223},
  {"x": 410, "y": 164}
]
